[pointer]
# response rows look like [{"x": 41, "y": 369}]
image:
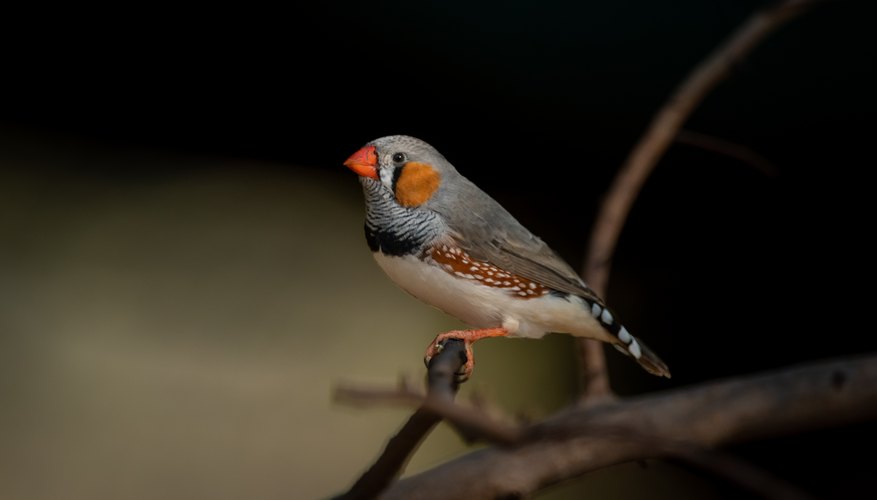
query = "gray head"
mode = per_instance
[{"x": 408, "y": 169}]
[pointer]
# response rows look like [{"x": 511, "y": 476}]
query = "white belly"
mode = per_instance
[{"x": 484, "y": 306}]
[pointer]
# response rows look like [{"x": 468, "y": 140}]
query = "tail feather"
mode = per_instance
[
  {"x": 622, "y": 340},
  {"x": 627, "y": 343},
  {"x": 652, "y": 363},
  {"x": 643, "y": 355}
]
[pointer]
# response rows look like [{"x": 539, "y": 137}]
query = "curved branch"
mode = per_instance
[
  {"x": 442, "y": 387},
  {"x": 714, "y": 414},
  {"x": 645, "y": 155},
  {"x": 729, "y": 149}
]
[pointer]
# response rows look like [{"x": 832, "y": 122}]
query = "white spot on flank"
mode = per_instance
[
  {"x": 490, "y": 273},
  {"x": 488, "y": 280},
  {"x": 634, "y": 349},
  {"x": 515, "y": 288},
  {"x": 606, "y": 317},
  {"x": 506, "y": 283},
  {"x": 595, "y": 310},
  {"x": 473, "y": 268},
  {"x": 533, "y": 285},
  {"x": 624, "y": 335},
  {"x": 522, "y": 294},
  {"x": 460, "y": 274},
  {"x": 479, "y": 277}
]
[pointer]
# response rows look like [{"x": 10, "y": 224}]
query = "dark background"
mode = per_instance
[{"x": 723, "y": 268}]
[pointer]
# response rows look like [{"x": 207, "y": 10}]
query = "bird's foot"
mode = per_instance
[{"x": 468, "y": 337}]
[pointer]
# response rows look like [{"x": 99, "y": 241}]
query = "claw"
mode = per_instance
[{"x": 468, "y": 337}]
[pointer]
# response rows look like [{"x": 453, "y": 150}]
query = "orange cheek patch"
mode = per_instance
[{"x": 416, "y": 184}]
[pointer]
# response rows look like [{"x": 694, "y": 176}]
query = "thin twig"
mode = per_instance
[
  {"x": 645, "y": 155},
  {"x": 354, "y": 395},
  {"x": 727, "y": 148},
  {"x": 736, "y": 471},
  {"x": 442, "y": 386},
  {"x": 473, "y": 424},
  {"x": 594, "y": 374},
  {"x": 720, "y": 464}
]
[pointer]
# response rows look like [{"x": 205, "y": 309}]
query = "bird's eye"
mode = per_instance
[{"x": 399, "y": 157}]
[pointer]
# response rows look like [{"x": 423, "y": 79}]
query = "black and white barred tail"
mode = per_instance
[
  {"x": 628, "y": 344},
  {"x": 646, "y": 357}
]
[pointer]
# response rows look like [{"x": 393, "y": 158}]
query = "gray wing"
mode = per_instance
[{"x": 486, "y": 231}]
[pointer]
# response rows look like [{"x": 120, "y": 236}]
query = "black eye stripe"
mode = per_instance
[{"x": 397, "y": 172}]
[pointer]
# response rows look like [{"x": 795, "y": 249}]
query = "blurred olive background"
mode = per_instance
[
  {"x": 183, "y": 276},
  {"x": 179, "y": 335}
]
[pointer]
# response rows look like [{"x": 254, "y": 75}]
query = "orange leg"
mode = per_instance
[{"x": 468, "y": 337}]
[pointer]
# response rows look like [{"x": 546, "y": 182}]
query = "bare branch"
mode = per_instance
[
  {"x": 472, "y": 423},
  {"x": 666, "y": 125},
  {"x": 372, "y": 396},
  {"x": 594, "y": 374},
  {"x": 719, "y": 464},
  {"x": 645, "y": 155},
  {"x": 442, "y": 386},
  {"x": 727, "y": 148},
  {"x": 714, "y": 414},
  {"x": 737, "y": 471},
  {"x": 477, "y": 425}
]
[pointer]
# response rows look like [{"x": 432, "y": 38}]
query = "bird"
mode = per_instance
[{"x": 448, "y": 243}]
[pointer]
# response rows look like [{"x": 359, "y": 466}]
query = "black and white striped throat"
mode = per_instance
[{"x": 393, "y": 229}]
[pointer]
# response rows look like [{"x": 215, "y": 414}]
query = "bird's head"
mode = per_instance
[{"x": 408, "y": 168}]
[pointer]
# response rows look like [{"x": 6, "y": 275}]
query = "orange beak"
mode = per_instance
[{"x": 364, "y": 162}]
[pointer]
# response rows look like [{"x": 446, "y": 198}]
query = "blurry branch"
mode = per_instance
[
  {"x": 664, "y": 128},
  {"x": 442, "y": 388},
  {"x": 681, "y": 424},
  {"x": 684, "y": 425},
  {"x": 645, "y": 155},
  {"x": 472, "y": 423},
  {"x": 727, "y": 148},
  {"x": 736, "y": 471}
]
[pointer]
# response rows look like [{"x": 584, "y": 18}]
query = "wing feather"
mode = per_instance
[{"x": 486, "y": 231}]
